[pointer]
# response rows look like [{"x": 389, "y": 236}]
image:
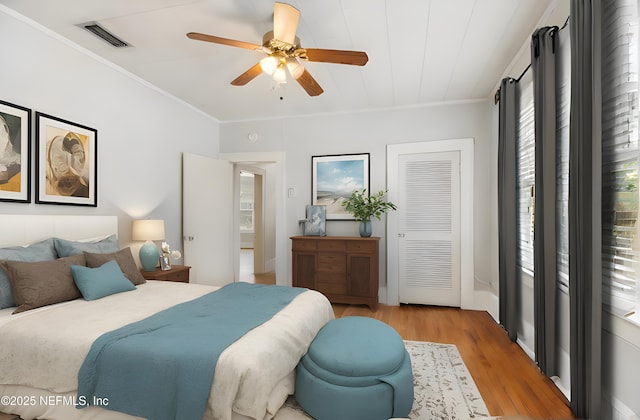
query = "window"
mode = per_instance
[
  {"x": 526, "y": 172},
  {"x": 620, "y": 247},
  {"x": 563, "y": 108},
  {"x": 246, "y": 201}
]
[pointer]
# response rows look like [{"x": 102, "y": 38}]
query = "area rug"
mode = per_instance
[{"x": 443, "y": 387}]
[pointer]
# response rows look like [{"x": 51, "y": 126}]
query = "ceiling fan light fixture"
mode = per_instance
[
  {"x": 295, "y": 68},
  {"x": 283, "y": 50},
  {"x": 269, "y": 64},
  {"x": 280, "y": 75}
]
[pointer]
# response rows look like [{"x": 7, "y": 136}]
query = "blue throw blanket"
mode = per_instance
[{"x": 162, "y": 367}]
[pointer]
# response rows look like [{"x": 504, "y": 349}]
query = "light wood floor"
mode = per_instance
[
  {"x": 510, "y": 383},
  {"x": 246, "y": 270}
]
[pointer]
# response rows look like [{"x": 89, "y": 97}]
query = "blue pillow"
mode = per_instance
[
  {"x": 37, "y": 252},
  {"x": 66, "y": 248},
  {"x": 96, "y": 283}
]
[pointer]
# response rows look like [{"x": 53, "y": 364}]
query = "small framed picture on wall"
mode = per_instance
[
  {"x": 15, "y": 159},
  {"x": 66, "y": 162}
]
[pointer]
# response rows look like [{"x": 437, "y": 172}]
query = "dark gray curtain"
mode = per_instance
[
  {"x": 507, "y": 207},
  {"x": 543, "y": 63},
  {"x": 585, "y": 224}
]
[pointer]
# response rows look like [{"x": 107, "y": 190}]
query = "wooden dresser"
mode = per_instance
[{"x": 343, "y": 268}]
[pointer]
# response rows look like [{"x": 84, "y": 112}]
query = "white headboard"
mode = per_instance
[{"x": 16, "y": 229}]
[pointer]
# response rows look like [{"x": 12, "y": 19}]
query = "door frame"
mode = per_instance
[
  {"x": 278, "y": 159},
  {"x": 465, "y": 147}
]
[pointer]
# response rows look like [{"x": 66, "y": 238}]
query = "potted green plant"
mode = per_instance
[{"x": 364, "y": 206}]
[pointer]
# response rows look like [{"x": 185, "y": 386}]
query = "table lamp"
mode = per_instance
[{"x": 148, "y": 230}]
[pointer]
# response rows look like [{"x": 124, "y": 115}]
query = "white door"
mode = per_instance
[
  {"x": 429, "y": 228},
  {"x": 208, "y": 219},
  {"x": 430, "y": 237}
]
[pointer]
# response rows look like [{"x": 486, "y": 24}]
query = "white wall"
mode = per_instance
[
  {"x": 369, "y": 132},
  {"x": 142, "y": 131}
]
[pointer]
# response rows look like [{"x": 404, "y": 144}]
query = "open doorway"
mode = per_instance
[
  {"x": 277, "y": 243},
  {"x": 255, "y": 225}
]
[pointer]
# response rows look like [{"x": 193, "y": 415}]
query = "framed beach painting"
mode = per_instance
[
  {"x": 15, "y": 138},
  {"x": 334, "y": 177},
  {"x": 66, "y": 162}
]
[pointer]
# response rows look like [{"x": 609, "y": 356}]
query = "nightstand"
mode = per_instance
[{"x": 179, "y": 273}]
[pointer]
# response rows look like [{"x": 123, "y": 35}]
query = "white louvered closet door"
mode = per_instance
[{"x": 429, "y": 228}]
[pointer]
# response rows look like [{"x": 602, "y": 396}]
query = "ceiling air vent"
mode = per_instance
[{"x": 105, "y": 35}]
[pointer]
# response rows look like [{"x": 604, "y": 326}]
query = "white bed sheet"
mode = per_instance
[
  {"x": 42, "y": 350},
  {"x": 5, "y": 315}
]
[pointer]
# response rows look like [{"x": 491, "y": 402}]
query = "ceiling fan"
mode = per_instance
[{"x": 283, "y": 50}]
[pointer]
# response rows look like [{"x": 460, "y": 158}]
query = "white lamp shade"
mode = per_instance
[
  {"x": 280, "y": 75},
  {"x": 148, "y": 230},
  {"x": 295, "y": 68},
  {"x": 269, "y": 64}
]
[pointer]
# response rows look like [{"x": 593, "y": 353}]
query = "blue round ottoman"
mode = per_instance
[{"x": 355, "y": 368}]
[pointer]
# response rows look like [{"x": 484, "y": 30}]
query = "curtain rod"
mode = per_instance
[
  {"x": 496, "y": 97},
  {"x": 524, "y": 72}
]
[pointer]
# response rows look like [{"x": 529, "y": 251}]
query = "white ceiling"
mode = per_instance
[{"x": 420, "y": 51}]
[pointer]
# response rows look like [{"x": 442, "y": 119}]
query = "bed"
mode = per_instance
[{"x": 42, "y": 349}]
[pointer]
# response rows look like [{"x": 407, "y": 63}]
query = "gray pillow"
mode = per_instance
[
  {"x": 66, "y": 248},
  {"x": 125, "y": 260},
  {"x": 37, "y": 284},
  {"x": 39, "y": 251}
]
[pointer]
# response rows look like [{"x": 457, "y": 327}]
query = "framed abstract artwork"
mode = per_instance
[
  {"x": 15, "y": 157},
  {"x": 66, "y": 162},
  {"x": 334, "y": 177}
]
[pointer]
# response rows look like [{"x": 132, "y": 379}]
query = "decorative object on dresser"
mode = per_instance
[
  {"x": 315, "y": 222},
  {"x": 15, "y": 132},
  {"x": 66, "y": 162},
  {"x": 364, "y": 206},
  {"x": 343, "y": 268},
  {"x": 149, "y": 231},
  {"x": 168, "y": 255},
  {"x": 334, "y": 177},
  {"x": 177, "y": 273}
]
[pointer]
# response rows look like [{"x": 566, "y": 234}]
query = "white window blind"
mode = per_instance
[
  {"x": 526, "y": 172},
  {"x": 620, "y": 148},
  {"x": 563, "y": 110}
]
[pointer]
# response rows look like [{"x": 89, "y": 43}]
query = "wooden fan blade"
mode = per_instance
[
  {"x": 309, "y": 84},
  {"x": 248, "y": 75},
  {"x": 356, "y": 58},
  {"x": 224, "y": 41},
  {"x": 285, "y": 22}
]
